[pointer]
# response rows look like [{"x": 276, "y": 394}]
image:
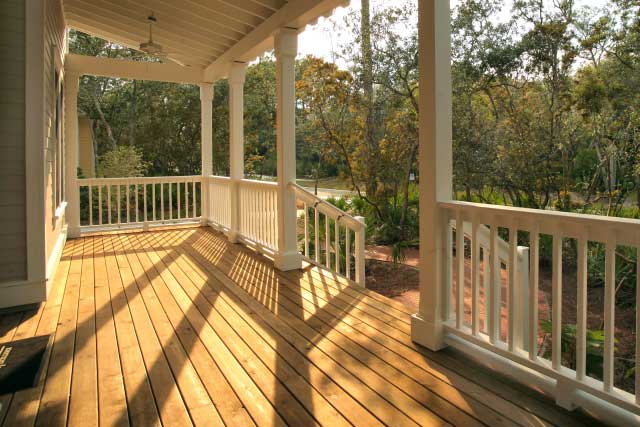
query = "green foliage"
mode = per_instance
[
  {"x": 594, "y": 348},
  {"x": 123, "y": 161}
]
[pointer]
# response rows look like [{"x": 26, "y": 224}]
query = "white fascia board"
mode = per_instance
[{"x": 137, "y": 70}]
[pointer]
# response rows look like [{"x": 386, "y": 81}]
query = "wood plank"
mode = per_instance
[
  {"x": 112, "y": 401},
  {"x": 54, "y": 404},
  {"x": 25, "y": 403},
  {"x": 231, "y": 409},
  {"x": 8, "y": 325},
  {"x": 257, "y": 404},
  {"x": 356, "y": 328},
  {"x": 83, "y": 405},
  {"x": 141, "y": 405},
  {"x": 392, "y": 405},
  {"x": 281, "y": 367},
  {"x": 173, "y": 411},
  {"x": 192, "y": 390}
]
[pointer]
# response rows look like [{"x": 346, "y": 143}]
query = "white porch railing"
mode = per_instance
[
  {"x": 138, "y": 202},
  {"x": 258, "y": 213},
  {"x": 519, "y": 342},
  {"x": 219, "y": 201},
  {"x": 330, "y": 237}
]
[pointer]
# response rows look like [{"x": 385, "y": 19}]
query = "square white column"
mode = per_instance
[
  {"x": 236, "y": 142},
  {"x": 206, "y": 132},
  {"x": 435, "y": 168},
  {"x": 72, "y": 212}
]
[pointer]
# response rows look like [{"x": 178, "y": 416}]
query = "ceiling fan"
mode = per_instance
[{"x": 152, "y": 48}]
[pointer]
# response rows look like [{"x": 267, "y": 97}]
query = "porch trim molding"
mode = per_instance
[
  {"x": 136, "y": 70},
  {"x": 34, "y": 145}
]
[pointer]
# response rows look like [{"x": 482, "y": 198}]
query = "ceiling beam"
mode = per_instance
[
  {"x": 295, "y": 14},
  {"x": 136, "y": 70}
]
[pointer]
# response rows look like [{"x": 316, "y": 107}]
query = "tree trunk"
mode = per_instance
[{"x": 133, "y": 114}]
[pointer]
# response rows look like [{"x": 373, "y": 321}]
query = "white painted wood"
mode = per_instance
[
  {"x": 306, "y": 230},
  {"x": 71, "y": 153},
  {"x": 327, "y": 241},
  {"x": 556, "y": 301},
  {"x": 435, "y": 156},
  {"x": 136, "y": 70},
  {"x": 316, "y": 232},
  {"x": 475, "y": 279},
  {"x": 460, "y": 262},
  {"x": 494, "y": 306},
  {"x": 236, "y": 142},
  {"x": 286, "y": 49},
  {"x": 609, "y": 313},
  {"x": 581, "y": 307},
  {"x": 513, "y": 296},
  {"x": 34, "y": 88},
  {"x": 359, "y": 253},
  {"x": 347, "y": 261},
  {"x": 337, "y": 244},
  {"x": 534, "y": 265},
  {"x": 206, "y": 152}
]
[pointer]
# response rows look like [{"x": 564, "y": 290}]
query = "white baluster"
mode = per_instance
[
  {"x": 581, "y": 315},
  {"x": 460, "y": 259},
  {"x": 534, "y": 265},
  {"x": 90, "y": 205},
  {"x": 306, "y": 230},
  {"x": 496, "y": 281},
  {"x": 359, "y": 248},
  {"x": 556, "y": 316},
  {"x": 513, "y": 294},
  {"x": 316, "y": 233},
  {"x": 475, "y": 279},
  {"x": 609, "y": 313},
  {"x": 99, "y": 204}
]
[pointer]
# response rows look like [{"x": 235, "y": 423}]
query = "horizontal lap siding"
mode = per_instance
[{"x": 12, "y": 149}]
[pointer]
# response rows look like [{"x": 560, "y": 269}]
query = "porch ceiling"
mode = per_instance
[{"x": 196, "y": 32}]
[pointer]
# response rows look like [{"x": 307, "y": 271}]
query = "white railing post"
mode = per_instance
[
  {"x": 286, "y": 49},
  {"x": 72, "y": 213},
  {"x": 359, "y": 253},
  {"x": 236, "y": 144},
  {"x": 206, "y": 131},
  {"x": 435, "y": 138}
]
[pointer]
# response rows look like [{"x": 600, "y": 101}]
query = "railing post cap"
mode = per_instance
[{"x": 360, "y": 219}]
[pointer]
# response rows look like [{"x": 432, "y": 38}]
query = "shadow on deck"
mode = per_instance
[{"x": 179, "y": 327}]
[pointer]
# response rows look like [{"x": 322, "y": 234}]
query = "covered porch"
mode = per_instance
[
  {"x": 181, "y": 327},
  {"x": 290, "y": 329}
]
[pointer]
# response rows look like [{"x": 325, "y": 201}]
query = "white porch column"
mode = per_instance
[
  {"x": 206, "y": 131},
  {"x": 286, "y": 48},
  {"x": 435, "y": 167},
  {"x": 72, "y": 212},
  {"x": 236, "y": 142}
]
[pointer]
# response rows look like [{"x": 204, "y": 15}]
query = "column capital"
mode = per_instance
[
  {"x": 206, "y": 92},
  {"x": 286, "y": 42},
  {"x": 237, "y": 73}
]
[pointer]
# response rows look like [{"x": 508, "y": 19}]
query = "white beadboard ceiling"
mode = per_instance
[{"x": 196, "y": 32}]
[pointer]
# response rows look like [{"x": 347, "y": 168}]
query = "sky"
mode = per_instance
[{"x": 320, "y": 39}]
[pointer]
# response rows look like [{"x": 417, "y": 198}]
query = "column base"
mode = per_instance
[
  {"x": 427, "y": 333},
  {"x": 233, "y": 236},
  {"x": 73, "y": 232},
  {"x": 288, "y": 261}
]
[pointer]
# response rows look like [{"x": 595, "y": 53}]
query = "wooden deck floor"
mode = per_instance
[{"x": 179, "y": 327}]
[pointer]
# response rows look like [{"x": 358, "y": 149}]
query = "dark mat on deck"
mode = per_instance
[{"x": 21, "y": 363}]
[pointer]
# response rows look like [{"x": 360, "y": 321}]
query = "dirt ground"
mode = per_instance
[{"x": 400, "y": 282}]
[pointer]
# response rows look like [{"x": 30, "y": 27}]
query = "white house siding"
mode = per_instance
[{"x": 13, "y": 259}]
